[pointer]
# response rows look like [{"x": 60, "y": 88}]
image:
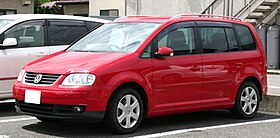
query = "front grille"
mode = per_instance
[
  {"x": 45, "y": 79},
  {"x": 47, "y": 109}
]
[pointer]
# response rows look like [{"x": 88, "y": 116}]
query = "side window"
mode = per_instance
[
  {"x": 27, "y": 34},
  {"x": 232, "y": 43},
  {"x": 147, "y": 53},
  {"x": 181, "y": 41},
  {"x": 92, "y": 25},
  {"x": 65, "y": 32},
  {"x": 246, "y": 38},
  {"x": 213, "y": 39}
]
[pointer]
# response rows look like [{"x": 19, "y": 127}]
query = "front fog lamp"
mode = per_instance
[
  {"x": 79, "y": 80},
  {"x": 20, "y": 76}
]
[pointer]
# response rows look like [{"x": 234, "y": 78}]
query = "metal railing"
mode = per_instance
[{"x": 228, "y": 7}]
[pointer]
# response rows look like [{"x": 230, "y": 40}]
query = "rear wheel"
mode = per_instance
[
  {"x": 247, "y": 101},
  {"x": 125, "y": 111}
]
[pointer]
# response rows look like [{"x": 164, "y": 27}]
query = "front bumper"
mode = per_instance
[{"x": 61, "y": 112}]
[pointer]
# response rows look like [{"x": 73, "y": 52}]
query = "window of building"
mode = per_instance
[
  {"x": 181, "y": 41},
  {"x": 112, "y": 12},
  {"x": 213, "y": 39},
  {"x": 246, "y": 38},
  {"x": 7, "y": 11}
]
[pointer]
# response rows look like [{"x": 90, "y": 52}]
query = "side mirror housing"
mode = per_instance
[
  {"x": 10, "y": 42},
  {"x": 165, "y": 51}
]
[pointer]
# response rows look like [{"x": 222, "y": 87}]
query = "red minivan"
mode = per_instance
[{"x": 138, "y": 67}]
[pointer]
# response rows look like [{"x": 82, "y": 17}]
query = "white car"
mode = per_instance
[{"x": 26, "y": 37}]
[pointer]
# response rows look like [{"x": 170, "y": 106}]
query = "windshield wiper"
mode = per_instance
[{"x": 83, "y": 51}]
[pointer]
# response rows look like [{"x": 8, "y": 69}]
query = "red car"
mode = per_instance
[{"x": 138, "y": 67}]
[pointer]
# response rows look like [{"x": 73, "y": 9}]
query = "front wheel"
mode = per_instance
[
  {"x": 247, "y": 101},
  {"x": 125, "y": 111}
]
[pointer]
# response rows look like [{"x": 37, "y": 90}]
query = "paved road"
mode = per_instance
[
  {"x": 216, "y": 123},
  {"x": 273, "y": 84},
  {"x": 213, "y": 124}
]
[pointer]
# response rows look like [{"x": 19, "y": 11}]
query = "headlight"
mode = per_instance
[
  {"x": 20, "y": 76},
  {"x": 79, "y": 79}
]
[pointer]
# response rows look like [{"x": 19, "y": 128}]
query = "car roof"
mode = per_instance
[
  {"x": 178, "y": 18},
  {"x": 49, "y": 16}
]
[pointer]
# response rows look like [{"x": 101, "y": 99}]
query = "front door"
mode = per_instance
[
  {"x": 177, "y": 79},
  {"x": 31, "y": 45}
]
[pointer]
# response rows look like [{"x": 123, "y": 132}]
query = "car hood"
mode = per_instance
[{"x": 67, "y": 62}]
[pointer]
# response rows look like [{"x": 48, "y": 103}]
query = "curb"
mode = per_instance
[
  {"x": 273, "y": 72},
  {"x": 270, "y": 103}
]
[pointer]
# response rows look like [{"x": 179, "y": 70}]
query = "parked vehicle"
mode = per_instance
[
  {"x": 26, "y": 37},
  {"x": 139, "y": 67}
]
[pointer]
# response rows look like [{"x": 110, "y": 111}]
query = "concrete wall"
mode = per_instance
[
  {"x": 149, "y": 7},
  {"x": 71, "y": 9},
  {"x": 17, "y": 5},
  {"x": 166, "y": 7},
  {"x": 96, "y": 5}
]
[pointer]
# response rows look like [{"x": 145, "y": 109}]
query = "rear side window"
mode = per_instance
[
  {"x": 92, "y": 25},
  {"x": 246, "y": 39},
  {"x": 65, "y": 32},
  {"x": 213, "y": 39},
  {"x": 232, "y": 43}
]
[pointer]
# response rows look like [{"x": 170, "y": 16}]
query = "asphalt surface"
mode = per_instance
[{"x": 206, "y": 124}]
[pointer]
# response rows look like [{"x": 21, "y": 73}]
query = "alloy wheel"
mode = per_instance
[
  {"x": 249, "y": 100},
  {"x": 128, "y": 111}
]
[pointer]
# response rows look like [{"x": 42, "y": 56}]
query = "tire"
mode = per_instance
[
  {"x": 247, "y": 101},
  {"x": 120, "y": 107}
]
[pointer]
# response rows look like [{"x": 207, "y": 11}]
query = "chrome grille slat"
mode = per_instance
[{"x": 47, "y": 79}]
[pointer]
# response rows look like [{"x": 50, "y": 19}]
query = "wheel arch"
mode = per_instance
[
  {"x": 254, "y": 80},
  {"x": 136, "y": 86}
]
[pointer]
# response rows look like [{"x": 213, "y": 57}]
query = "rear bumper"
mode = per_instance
[{"x": 60, "y": 112}]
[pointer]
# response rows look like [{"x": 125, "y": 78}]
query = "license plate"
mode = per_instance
[{"x": 32, "y": 96}]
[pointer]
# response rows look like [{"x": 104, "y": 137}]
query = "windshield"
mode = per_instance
[
  {"x": 4, "y": 22},
  {"x": 115, "y": 37}
]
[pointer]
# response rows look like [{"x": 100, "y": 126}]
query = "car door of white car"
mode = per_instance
[{"x": 31, "y": 45}]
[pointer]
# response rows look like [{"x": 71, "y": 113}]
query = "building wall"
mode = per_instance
[
  {"x": 149, "y": 7},
  {"x": 166, "y": 7},
  {"x": 18, "y": 6},
  {"x": 96, "y": 5},
  {"x": 71, "y": 9}
]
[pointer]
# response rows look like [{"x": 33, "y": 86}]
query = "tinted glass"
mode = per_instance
[
  {"x": 147, "y": 53},
  {"x": 65, "y": 34},
  {"x": 92, "y": 25},
  {"x": 232, "y": 43},
  {"x": 27, "y": 34},
  {"x": 246, "y": 38},
  {"x": 181, "y": 41},
  {"x": 213, "y": 39}
]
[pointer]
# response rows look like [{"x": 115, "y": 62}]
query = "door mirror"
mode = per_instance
[
  {"x": 165, "y": 51},
  {"x": 10, "y": 42}
]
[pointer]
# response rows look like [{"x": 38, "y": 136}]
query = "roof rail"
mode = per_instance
[
  {"x": 130, "y": 17},
  {"x": 204, "y": 15}
]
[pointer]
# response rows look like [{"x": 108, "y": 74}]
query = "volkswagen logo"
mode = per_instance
[{"x": 38, "y": 78}]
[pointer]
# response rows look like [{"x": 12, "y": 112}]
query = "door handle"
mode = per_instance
[
  {"x": 195, "y": 68},
  {"x": 238, "y": 64},
  {"x": 41, "y": 54}
]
